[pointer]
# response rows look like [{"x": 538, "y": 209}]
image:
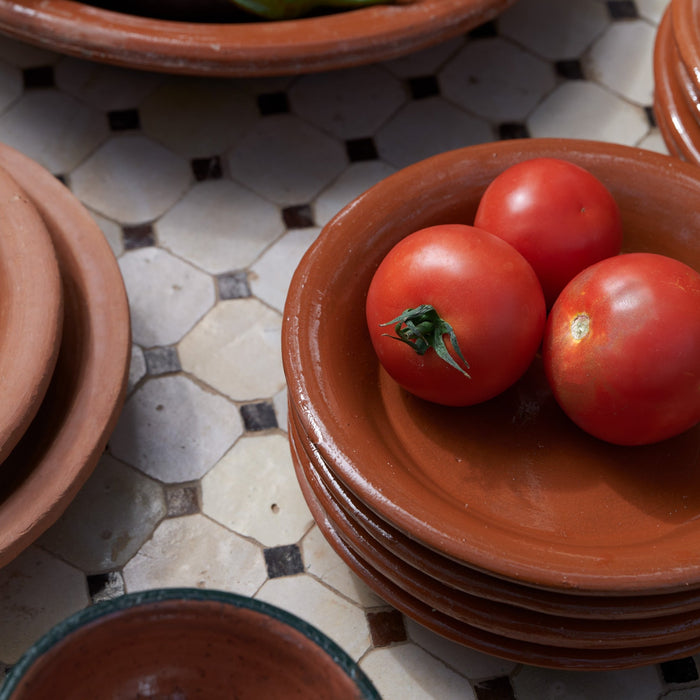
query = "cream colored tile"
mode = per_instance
[
  {"x": 425, "y": 62},
  {"x": 37, "y": 591},
  {"x": 10, "y": 85},
  {"x": 173, "y": 430},
  {"x": 235, "y": 348},
  {"x": 212, "y": 226},
  {"x": 193, "y": 551},
  {"x": 305, "y": 597},
  {"x": 253, "y": 491},
  {"x": 112, "y": 232},
  {"x": 113, "y": 514},
  {"x": 24, "y": 55},
  {"x": 137, "y": 368}
]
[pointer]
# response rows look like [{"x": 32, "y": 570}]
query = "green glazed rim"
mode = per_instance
[{"x": 130, "y": 600}]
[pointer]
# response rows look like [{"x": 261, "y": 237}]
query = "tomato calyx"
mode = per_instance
[{"x": 423, "y": 328}]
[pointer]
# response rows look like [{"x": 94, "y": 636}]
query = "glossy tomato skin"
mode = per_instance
[
  {"x": 557, "y": 214},
  {"x": 621, "y": 349},
  {"x": 482, "y": 287}
]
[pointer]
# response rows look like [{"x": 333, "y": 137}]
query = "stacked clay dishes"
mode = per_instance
[
  {"x": 64, "y": 349},
  {"x": 501, "y": 526},
  {"x": 677, "y": 79}
]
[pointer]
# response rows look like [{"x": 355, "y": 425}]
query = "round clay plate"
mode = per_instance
[
  {"x": 186, "y": 643},
  {"x": 245, "y": 49},
  {"x": 477, "y": 583},
  {"x": 504, "y": 619},
  {"x": 675, "y": 98},
  {"x": 519, "y": 651},
  {"x": 510, "y": 486},
  {"x": 68, "y": 434},
  {"x": 31, "y": 313},
  {"x": 686, "y": 30}
]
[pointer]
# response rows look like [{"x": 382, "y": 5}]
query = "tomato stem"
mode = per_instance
[{"x": 422, "y": 328}]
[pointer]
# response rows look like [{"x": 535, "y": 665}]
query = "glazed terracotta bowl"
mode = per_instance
[
  {"x": 186, "y": 643},
  {"x": 68, "y": 434},
  {"x": 31, "y": 313},
  {"x": 509, "y": 487},
  {"x": 264, "y": 48}
]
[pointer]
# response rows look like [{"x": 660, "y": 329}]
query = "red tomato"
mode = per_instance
[
  {"x": 622, "y": 349},
  {"x": 557, "y": 214},
  {"x": 479, "y": 285}
]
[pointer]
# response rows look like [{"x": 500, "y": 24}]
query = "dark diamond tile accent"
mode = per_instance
[
  {"x": 622, "y": 9},
  {"x": 38, "y": 77},
  {"x": 512, "y": 130},
  {"x": 570, "y": 69},
  {"x": 124, "y": 119},
  {"x": 361, "y": 149},
  {"x": 161, "y": 360},
  {"x": 273, "y": 103},
  {"x": 651, "y": 117},
  {"x": 105, "y": 586},
  {"x": 495, "y": 689},
  {"x": 139, "y": 236},
  {"x": 182, "y": 500},
  {"x": 423, "y": 86},
  {"x": 386, "y": 627},
  {"x": 284, "y": 560},
  {"x": 258, "y": 416},
  {"x": 233, "y": 285},
  {"x": 63, "y": 179},
  {"x": 298, "y": 216},
  {"x": 207, "y": 168},
  {"x": 679, "y": 671},
  {"x": 487, "y": 30}
]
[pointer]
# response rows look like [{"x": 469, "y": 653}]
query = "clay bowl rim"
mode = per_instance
[
  {"x": 101, "y": 613},
  {"x": 329, "y": 418},
  {"x": 685, "y": 16},
  {"x": 65, "y": 453},
  {"x": 256, "y": 49},
  {"x": 557, "y": 658},
  {"x": 32, "y": 312}
]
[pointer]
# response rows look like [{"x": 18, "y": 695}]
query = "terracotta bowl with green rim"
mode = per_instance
[
  {"x": 510, "y": 487},
  {"x": 68, "y": 434},
  {"x": 186, "y": 643},
  {"x": 243, "y": 49}
]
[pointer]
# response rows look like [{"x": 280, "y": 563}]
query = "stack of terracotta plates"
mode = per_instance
[
  {"x": 501, "y": 526},
  {"x": 677, "y": 78},
  {"x": 64, "y": 348}
]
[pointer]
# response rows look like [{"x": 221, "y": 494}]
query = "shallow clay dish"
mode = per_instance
[
  {"x": 510, "y": 487},
  {"x": 68, "y": 434},
  {"x": 31, "y": 312},
  {"x": 478, "y": 583},
  {"x": 686, "y": 30},
  {"x": 186, "y": 643},
  {"x": 557, "y": 657},
  {"x": 244, "y": 49}
]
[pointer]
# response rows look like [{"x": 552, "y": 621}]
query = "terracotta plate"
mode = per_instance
[
  {"x": 64, "y": 442},
  {"x": 474, "y": 582},
  {"x": 686, "y": 29},
  {"x": 511, "y": 486},
  {"x": 248, "y": 49},
  {"x": 504, "y": 619},
  {"x": 558, "y": 657},
  {"x": 31, "y": 312},
  {"x": 179, "y": 643}
]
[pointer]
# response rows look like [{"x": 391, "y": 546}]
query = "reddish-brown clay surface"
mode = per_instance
[
  {"x": 511, "y": 486},
  {"x": 64, "y": 441},
  {"x": 31, "y": 313},
  {"x": 243, "y": 49}
]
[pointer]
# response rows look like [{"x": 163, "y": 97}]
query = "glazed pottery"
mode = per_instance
[
  {"x": 509, "y": 487},
  {"x": 243, "y": 49},
  {"x": 186, "y": 643},
  {"x": 69, "y": 432},
  {"x": 677, "y": 79},
  {"x": 31, "y": 312},
  {"x": 557, "y": 657}
]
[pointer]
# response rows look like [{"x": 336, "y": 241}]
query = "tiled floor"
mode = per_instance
[{"x": 209, "y": 191}]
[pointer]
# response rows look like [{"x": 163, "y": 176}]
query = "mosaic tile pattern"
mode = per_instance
[{"x": 209, "y": 192}]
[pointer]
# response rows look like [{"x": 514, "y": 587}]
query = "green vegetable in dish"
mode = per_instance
[{"x": 289, "y": 9}]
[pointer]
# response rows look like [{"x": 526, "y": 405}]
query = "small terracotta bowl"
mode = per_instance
[
  {"x": 186, "y": 643},
  {"x": 242, "y": 49}
]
